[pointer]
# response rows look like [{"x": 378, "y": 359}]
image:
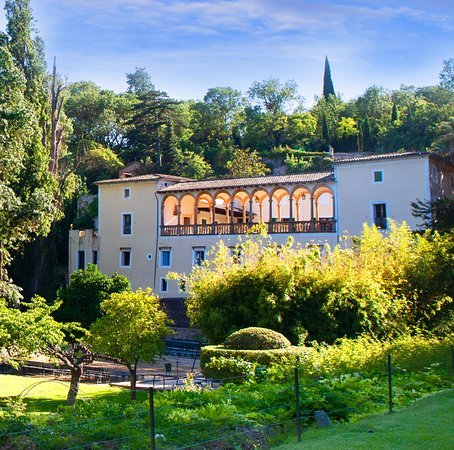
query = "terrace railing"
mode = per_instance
[{"x": 274, "y": 227}]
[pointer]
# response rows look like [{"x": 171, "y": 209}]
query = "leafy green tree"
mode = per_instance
[
  {"x": 223, "y": 105},
  {"x": 131, "y": 329},
  {"x": 301, "y": 129},
  {"x": 28, "y": 329},
  {"x": 394, "y": 113},
  {"x": 27, "y": 51},
  {"x": 325, "y": 130},
  {"x": 32, "y": 329},
  {"x": 153, "y": 111},
  {"x": 447, "y": 75},
  {"x": 328, "y": 114},
  {"x": 437, "y": 215},
  {"x": 275, "y": 99},
  {"x": 87, "y": 288},
  {"x": 98, "y": 115},
  {"x": 328, "y": 86},
  {"x": 27, "y": 188},
  {"x": 367, "y": 135},
  {"x": 247, "y": 164},
  {"x": 98, "y": 163},
  {"x": 139, "y": 82},
  {"x": 347, "y": 133}
]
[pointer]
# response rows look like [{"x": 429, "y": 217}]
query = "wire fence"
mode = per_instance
[{"x": 261, "y": 414}]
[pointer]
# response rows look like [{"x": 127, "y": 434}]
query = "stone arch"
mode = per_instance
[
  {"x": 203, "y": 208},
  {"x": 281, "y": 204},
  {"x": 169, "y": 210},
  {"x": 323, "y": 202},
  {"x": 301, "y": 203}
]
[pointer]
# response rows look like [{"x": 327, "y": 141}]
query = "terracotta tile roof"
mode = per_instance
[
  {"x": 249, "y": 182},
  {"x": 373, "y": 157},
  {"x": 149, "y": 177}
]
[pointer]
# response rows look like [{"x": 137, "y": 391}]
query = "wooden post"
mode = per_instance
[
  {"x": 390, "y": 386},
  {"x": 297, "y": 406}
]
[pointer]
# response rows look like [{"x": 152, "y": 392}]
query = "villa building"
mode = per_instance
[{"x": 150, "y": 225}]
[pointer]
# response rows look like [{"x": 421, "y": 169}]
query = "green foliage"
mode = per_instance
[
  {"x": 380, "y": 285},
  {"x": 139, "y": 82},
  {"x": 85, "y": 218},
  {"x": 436, "y": 214},
  {"x": 447, "y": 75},
  {"x": 28, "y": 329},
  {"x": 307, "y": 163},
  {"x": 256, "y": 338},
  {"x": 27, "y": 188},
  {"x": 245, "y": 163},
  {"x": 131, "y": 328},
  {"x": 87, "y": 289},
  {"x": 236, "y": 415},
  {"x": 98, "y": 163},
  {"x": 217, "y": 361},
  {"x": 366, "y": 354},
  {"x": 328, "y": 86}
]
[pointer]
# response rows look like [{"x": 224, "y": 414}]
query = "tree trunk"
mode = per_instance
[
  {"x": 76, "y": 373},
  {"x": 133, "y": 380}
]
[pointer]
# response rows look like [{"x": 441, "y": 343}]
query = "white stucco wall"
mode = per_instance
[{"x": 404, "y": 181}]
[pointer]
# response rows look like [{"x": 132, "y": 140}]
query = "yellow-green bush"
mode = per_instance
[
  {"x": 216, "y": 361},
  {"x": 365, "y": 354}
]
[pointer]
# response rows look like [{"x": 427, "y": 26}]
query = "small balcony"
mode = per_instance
[{"x": 274, "y": 227}]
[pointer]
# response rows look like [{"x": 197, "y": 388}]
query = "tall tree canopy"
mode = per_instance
[
  {"x": 139, "y": 82},
  {"x": 447, "y": 74},
  {"x": 27, "y": 188},
  {"x": 328, "y": 86}
]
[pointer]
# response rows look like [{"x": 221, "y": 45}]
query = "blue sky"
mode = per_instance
[{"x": 191, "y": 46}]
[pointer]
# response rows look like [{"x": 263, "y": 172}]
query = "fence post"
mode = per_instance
[
  {"x": 297, "y": 404},
  {"x": 390, "y": 386},
  {"x": 152, "y": 433}
]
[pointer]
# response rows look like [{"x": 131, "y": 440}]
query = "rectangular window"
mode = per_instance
[
  {"x": 125, "y": 257},
  {"x": 380, "y": 215},
  {"x": 164, "y": 285},
  {"x": 378, "y": 176},
  {"x": 198, "y": 256},
  {"x": 94, "y": 257},
  {"x": 165, "y": 257},
  {"x": 81, "y": 259},
  {"x": 126, "y": 193},
  {"x": 126, "y": 224},
  {"x": 235, "y": 253}
]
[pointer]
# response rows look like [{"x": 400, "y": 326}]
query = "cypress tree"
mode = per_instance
[
  {"x": 394, "y": 113},
  {"x": 367, "y": 135},
  {"x": 325, "y": 129},
  {"x": 172, "y": 157},
  {"x": 328, "y": 87}
]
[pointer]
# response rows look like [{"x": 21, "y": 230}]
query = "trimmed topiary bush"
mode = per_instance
[{"x": 255, "y": 338}]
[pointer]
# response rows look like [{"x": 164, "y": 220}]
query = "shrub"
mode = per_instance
[
  {"x": 256, "y": 338},
  {"x": 216, "y": 361}
]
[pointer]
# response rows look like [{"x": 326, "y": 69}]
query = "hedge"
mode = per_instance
[{"x": 218, "y": 362}]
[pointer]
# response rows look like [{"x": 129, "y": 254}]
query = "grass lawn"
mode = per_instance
[
  {"x": 425, "y": 424},
  {"x": 46, "y": 394}
]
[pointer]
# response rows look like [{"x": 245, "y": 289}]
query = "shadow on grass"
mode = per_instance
[{"x": 41, "y": 404}]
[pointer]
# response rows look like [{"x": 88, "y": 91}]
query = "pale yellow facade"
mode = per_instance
[{"x": 151, "y": 225}]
